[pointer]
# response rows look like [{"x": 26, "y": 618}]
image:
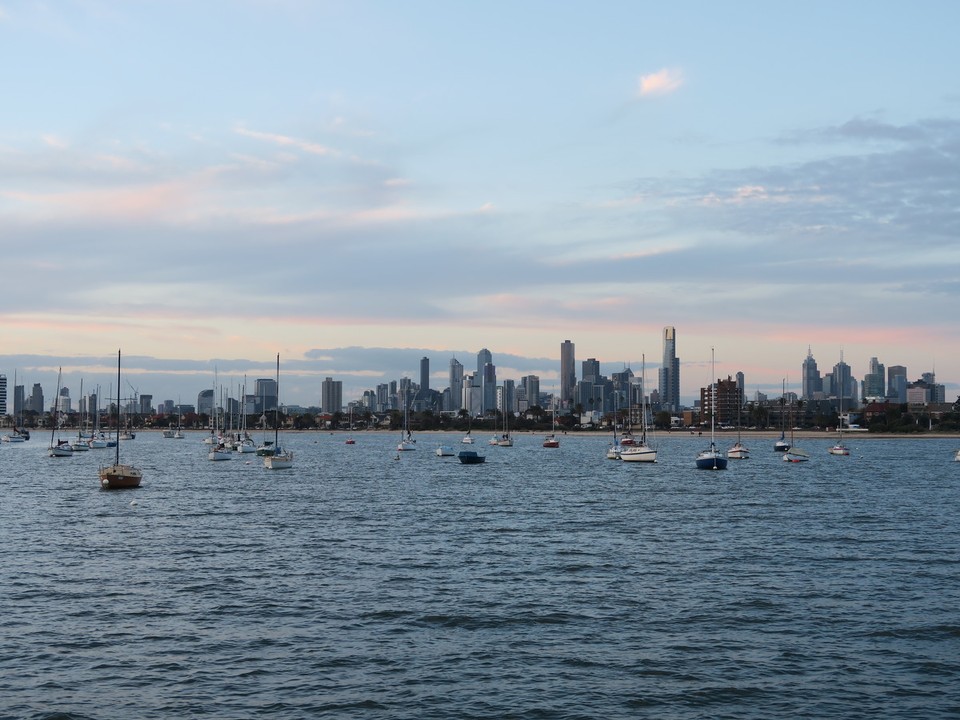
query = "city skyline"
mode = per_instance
[
  {"x": 412, "y": 179},
  {"x": 304, "y": 380}
]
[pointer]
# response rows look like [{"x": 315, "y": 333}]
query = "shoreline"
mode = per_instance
[{"x": 660, "y": 434}]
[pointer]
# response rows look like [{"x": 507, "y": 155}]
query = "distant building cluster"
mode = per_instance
[{"x": 479, "y": 391}]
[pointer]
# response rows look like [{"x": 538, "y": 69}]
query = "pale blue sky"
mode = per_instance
[{"x": 227, "y": 180}]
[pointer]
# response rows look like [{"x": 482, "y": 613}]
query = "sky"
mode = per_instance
[{"x": 355, "y": 185}]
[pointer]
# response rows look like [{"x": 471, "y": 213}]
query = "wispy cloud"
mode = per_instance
[
  {"x": 662, "y": 82},
  {"x": 306, "y": 146}
]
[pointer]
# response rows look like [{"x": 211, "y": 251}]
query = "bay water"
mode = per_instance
[{"x": 544, "y": 583}]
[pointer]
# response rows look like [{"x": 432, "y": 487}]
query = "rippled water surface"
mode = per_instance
[{"x": 542, "y": 584}]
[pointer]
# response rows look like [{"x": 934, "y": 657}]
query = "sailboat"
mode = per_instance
[
  {"x": 613, "y": 450},
  {"x": 220, "y": 450},
  {"x": 119, "y": 476},
  {"x": 58, "y": 447},
  {"x": 406, "y": 439},
  {"x": 19, "y": 434},
  {"x": 550, "y": 441},
  {"x": 244, "y": 443},
  {"x": 640, "y": 451},
  {"x": 281, "y": 459},
  {"x": 781, "y": 445},
  {"x": 793, "y": 453},
  {"x": 839, "y": 448},
  {"x": 80, "y": 444},
  {"x": 712, "y": 459},
  {"x": 739, "y": 451},
  {"x": 505, "y": 440}
]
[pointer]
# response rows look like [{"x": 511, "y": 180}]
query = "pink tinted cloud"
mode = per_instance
[{"x": 662, "y": 82}]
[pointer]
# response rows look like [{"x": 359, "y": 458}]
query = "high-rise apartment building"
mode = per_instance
[
  {"x": 568, "y": 374},
  {"x": 455, "y": 381},
  {"x": 19, "y": 397},
  {"x": 266, "y": 391},
  {"x": 669, "y": 374},
  {"x": 531, "y": 386},
  {"x": 874, "y": 382},
  {"x": 897, "y": 383},
  {"x": 843, "y": 386},
  {"x": 812, "y": 383},
  {"x": 591, "y": 370},
  {"x": 483, "y": 357},
  {"x": 36, "y": 399},
  {"x": 3, "y": 394},
  {"x": 331, "y": 396},
  {"x": 488, "y": 386},
  {"x": 424, "y": 375}
]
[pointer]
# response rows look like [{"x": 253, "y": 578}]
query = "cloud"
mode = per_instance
[
  {"x": 54, "y": 141},
  {"x": 287, "y": 141},
  {"x": 662, "y": 82}
]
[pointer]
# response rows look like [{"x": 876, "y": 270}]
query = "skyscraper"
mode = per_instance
[
  {"x": 266, "y": 391},
  {"x": 456, "y": 384},
  {"x": 670, "y": 372},
  {"x": 488, "y": 386},
  {"x": 874, "y": 382},
  {"x": 331, "y": 396},
  {"x": 483, "y": 357},
  {"x": 812, "y": 383},
  {"x": 843, "y": 382},
  {"x": 3, "y": 394},
  {"x": 897, "y": 383},
  {"x": 424, "y": 375},
  {"x": 568, "y": 373},
  {"x": 591, "y": 370}
]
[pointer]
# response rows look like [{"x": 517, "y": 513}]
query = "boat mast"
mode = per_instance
[
  {"x": 117, "y": 452},
  {"x": 276, "y": 412}
]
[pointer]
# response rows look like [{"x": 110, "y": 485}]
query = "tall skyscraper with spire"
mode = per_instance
[
  {"x": 811, "y": 381},
  {"x": 568, "y": 373},
  {"x": 669, "y": 374}
]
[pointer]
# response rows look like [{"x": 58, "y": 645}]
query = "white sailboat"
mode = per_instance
[
  {"x": 407, "y": 442},
  {"x": 641, "y": 451},
  {"x": 281, "y": 459},
  {"x": 505, "y": 440},
  {"x": 80, "y": 444},
  {"x": 739, "y": 451},
  {"x": 220, "y": 450},
  {"x": 58, "y": 447},
  {"x": 711, "y": 459},
  {"x": 119, "y": 476},
  {"x": 551, "y": 441},
  {"x": 793, "y": 453},
  {"x": 781, "y": 445},
  {"x": 839, "y": 448}
]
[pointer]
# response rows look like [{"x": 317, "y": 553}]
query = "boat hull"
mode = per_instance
[
  {"x": 738, "y": 452},
  {"x": 711, "y": 461},
  {"x": 638, "y": 453},
  {"x": 120, "y": 477},
  {"x": 283, "y": 461},
  {"x": 470, "y": 457}
]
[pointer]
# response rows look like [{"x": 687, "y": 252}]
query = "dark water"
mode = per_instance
[{"x": 543, "y": 584}]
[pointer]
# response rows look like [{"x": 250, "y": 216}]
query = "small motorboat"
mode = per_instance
[{"x": 470, "y": 457}]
